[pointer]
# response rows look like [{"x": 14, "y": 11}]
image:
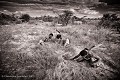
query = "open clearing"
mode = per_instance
[{"x": 21, "y": 55}]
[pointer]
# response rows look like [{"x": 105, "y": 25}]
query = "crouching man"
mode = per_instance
[{"x": 49, "y": 38}]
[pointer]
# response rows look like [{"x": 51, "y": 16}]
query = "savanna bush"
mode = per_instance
[
  {"x": 6, "y": 19},
  {"x": 47, "y": 18},
  {"x": 110, "y": 21},
  {"x": 25, "y": 17},
  {"x": 65, "y": 17}
]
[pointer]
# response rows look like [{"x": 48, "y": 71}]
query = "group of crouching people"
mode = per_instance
[
  {"x": 86, "y": 56},
  {"x": 58, "y": 39}
]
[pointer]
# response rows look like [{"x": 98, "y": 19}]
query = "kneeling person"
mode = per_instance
[
  {"x": 86, "y": 56},
  {"x": 49, "y": 37}
]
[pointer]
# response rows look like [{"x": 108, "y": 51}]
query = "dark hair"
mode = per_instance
[
  {"x": 51, "y": 34},
  {"x": 59, "y": 36},
  {"x": 86, "y": 49}
]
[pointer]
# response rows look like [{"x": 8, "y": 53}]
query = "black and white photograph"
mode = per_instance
[{"x": 60, "y": 39}]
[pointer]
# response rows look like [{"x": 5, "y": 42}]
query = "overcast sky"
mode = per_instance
[{"x": 108, "y": 1}]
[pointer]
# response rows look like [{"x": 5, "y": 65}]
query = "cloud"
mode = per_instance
[{"x": 35, "y": 1}]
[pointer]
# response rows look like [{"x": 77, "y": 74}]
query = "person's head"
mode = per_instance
[
  {"x": 50, "y": 35},
  {"x": 59, "y": 36}
]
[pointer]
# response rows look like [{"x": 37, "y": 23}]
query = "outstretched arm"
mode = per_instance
[
  {"x": 57, "y": 31},
  {"x": 76, "y": 56},
  {"x": 91, "y": 48}
]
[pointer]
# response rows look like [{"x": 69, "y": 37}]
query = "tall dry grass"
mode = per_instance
[{"x": 21, "y": 55}]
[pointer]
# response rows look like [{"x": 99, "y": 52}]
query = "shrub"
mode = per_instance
[
  {"x": 110, "y": 21},
  {"x": 47, "y": 18},
  {"x": 25, "y": 18},
  {"x": 7, "y": 18},
  {"x": 65, "y": 17}
]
